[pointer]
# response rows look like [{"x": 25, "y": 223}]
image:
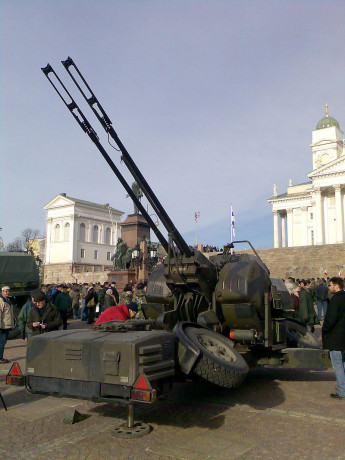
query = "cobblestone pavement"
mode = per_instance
[{"x": 275, "y": 414}]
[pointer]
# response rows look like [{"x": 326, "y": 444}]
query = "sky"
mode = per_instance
[{"x": 214, "y": 100}]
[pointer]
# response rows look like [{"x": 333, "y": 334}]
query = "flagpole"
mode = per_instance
[{"x": 231, "y": 231}]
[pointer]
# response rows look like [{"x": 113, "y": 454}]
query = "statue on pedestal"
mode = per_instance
[
  {"x": 138, "y": 193},
  {"x": 123, "y": 256}
]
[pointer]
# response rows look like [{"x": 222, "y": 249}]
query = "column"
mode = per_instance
[
  {"x": 283, "y": 229},
  {"x": 305, "y": 225},
  {"x": 339, "y": 211},
  {"x": 276, "y": 229},
  {"x": 319, "y": 217},
  {"x": 88, "y": 233},
  {"x": 290, "y": 227},
  {"x": 48, "y": 239},
  {"x": 71, "y": 239},
  {"x": 101, "y": 238}
]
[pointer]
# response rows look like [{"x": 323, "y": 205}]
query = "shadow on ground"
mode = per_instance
[{"x": 200, "y": 404}]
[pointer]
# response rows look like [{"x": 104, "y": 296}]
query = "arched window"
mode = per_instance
[
  {"x": 95, "y": 234},
  {"x": 66, "y": 232},
  {"x": 57, "y": 232},
  {"x": 82, "y": 232},
  {"x": 108, "y": 236}
]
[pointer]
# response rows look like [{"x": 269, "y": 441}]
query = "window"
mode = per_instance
[
  {"x": 57, "y": 232},
  {"x": 95, "y": 254},
  {"x": 66, "y": 232},
  {"x": 82, "y": 232},
  {"x": 82, "y": 253},
  {"x": 95, "y": 234},
  {"x": 108, "y": 236},
  {"x": 108, "y": 256}
]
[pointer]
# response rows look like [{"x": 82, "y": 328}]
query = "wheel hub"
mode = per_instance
[{"x": 216, "y": 348}]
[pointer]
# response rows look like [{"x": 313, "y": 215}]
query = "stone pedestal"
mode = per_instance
[
  {"x": 134, "y": 228},
  {"x": 122, "y": 277}
]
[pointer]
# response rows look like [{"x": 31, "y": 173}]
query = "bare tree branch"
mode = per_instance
[
  {"x": 15, "y": 246},
  {"x": 29, "y": 235}
]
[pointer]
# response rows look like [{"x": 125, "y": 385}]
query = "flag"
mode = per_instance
[
  {"x": 326, "y": 272},
  {"x": 232, "y": 222}
]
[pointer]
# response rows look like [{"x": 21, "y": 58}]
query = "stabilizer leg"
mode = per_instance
[{"x": 131, "y": 429}]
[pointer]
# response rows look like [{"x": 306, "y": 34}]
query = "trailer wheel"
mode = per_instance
[
  {"x": 298, "y": 336},
  {"x": 218, "y": 363}
]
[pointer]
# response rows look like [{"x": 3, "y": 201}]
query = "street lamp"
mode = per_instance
[
  {"x": 196, "y": 217},
  {"x": 153, "y": 253},
  {"x": 156, "y": 223}
]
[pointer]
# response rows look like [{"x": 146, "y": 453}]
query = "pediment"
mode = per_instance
[
  {"x": 58, "y": 202},
  {"x": 334, "y": 167}
]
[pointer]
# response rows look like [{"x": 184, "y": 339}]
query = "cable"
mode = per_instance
[{"x": 111, "y": 145}]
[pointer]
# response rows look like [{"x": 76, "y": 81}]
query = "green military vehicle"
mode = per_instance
[
  {"x": 18, "y": 271},
  {"x": 209, "y": 318}
]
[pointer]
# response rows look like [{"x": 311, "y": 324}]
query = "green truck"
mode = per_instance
[{"x": 19, "y": 271}]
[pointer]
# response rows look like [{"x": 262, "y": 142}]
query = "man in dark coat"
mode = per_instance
[
  {"x": 115, "y": 293},
  {"x": 90, "y": 304},
  {"x": 306, "y": 312},
  {"x": 321, "y": 294},
  {"x": 333, "y": 334},
  {"x": 63, "y": 303},
  {"x": 43, "y": 316}
]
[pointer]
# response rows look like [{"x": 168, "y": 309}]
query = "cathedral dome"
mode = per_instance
[{"x": 327, "y": 121}]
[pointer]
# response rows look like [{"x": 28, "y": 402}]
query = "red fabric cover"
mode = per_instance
[{"x": 116, "y": 313}]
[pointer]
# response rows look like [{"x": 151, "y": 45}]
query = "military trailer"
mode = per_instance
[
  {"x": 18, "y": 271},
  {"x": 210, "y": 318}
]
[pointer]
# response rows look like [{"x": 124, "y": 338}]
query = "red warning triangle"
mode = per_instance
[
  {"x": 15, "y": 370},
  {"x": 142, "y": 383}
]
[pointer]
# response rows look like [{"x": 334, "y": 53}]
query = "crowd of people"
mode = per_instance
[
  {"x": 305, "y": 293},
  {"x": 50, "y": 306}
]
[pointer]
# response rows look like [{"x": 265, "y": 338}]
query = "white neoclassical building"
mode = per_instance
[
  {"x": 80, "y": 232},
  {"x": 313, "y": 212}
]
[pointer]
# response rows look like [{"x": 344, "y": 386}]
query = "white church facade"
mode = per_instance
[
  {"x": 313, "y": 213},
  {"x": 80, "y": 232}
]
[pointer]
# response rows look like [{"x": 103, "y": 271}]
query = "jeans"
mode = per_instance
[
  {"x": 90, "y": 313},
  {"x": 3, "y": 340},
  {"x": 339, "y": 370},
  {"x": 83, "y": 313},
  {"x": 321, "y": 305}
]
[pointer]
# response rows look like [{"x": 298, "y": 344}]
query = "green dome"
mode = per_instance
[{"x": 327, "y": 122}]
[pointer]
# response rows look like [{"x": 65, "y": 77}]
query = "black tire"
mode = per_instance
[
  {"x": 298, "y": 336},
  {"x": 218, "y": 363}
]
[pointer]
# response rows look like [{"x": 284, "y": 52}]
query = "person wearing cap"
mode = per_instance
[
  {"x": 63, "y": 303},
  {"x": 126, "y": 295},
  {"x": 23, "y": 317},
  {"x": 6, "y": 320},
  {"x": 140, "y": 299},
  {"x": 118, "y": 313},
  {"x": 43, "y": 316}
]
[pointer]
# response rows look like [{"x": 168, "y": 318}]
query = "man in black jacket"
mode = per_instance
[
  {"x": 333, "y": 334},
  {"x": 43, "y": 316}
]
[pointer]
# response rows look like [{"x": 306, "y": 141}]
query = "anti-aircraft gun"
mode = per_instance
[
  {"x": 213, "y": 317},
  {"x": 226, "y": 310}
]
